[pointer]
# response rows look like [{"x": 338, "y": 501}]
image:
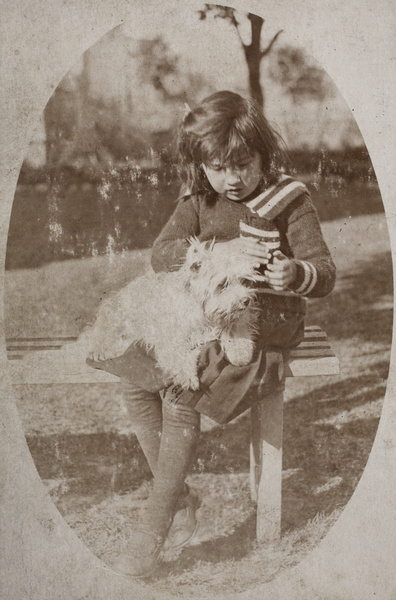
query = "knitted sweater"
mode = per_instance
[{"x": 286, "y": 208}]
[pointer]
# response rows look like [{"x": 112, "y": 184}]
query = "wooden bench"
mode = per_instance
[
  {"x": 55, "y": 360},
  {"x": 314, "y": 356}
]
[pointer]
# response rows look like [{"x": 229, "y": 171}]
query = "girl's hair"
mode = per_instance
[{"x": 226, "y": 127}]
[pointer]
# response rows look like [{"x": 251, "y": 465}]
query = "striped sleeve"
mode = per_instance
[
  {"x": 272, "y": 201},
  {"x": 309, "y": 276},
  {"x": 316, "y": 271}
]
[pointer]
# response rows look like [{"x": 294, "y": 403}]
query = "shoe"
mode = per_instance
[
  {"x": 142, "y": 554},
  {"x": 184, "y": 525}
]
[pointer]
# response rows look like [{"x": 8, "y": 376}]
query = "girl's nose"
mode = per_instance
[{"x": 232, "y": 175}]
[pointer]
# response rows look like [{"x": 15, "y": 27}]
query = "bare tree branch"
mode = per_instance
[
  {"x": 267, "y": 50},
  {"x": 223, "y": 12}
]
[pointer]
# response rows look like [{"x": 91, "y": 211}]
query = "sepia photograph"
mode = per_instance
[{"x": 198, "y": 307}]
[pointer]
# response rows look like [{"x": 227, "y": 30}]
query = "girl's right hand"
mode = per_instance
[{"x": 243, "y": 248}]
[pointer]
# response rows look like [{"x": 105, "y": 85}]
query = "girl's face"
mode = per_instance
[{"x": 235, "y": 181}]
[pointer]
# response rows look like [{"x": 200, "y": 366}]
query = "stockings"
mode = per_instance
[{"x": 168, "y": 433}]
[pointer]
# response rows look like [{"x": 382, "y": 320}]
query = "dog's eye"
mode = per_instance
[
  {"x": 195, "y": 267},
  {"x": 222, "y": 286},
  {"x": 247, "y": 282}
]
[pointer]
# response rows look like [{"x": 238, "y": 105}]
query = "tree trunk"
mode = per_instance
[
  {"x": 256, "y": 90},
  {"x": 253, "y": 58}
]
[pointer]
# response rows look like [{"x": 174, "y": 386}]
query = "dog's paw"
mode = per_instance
[
  {"x": 187, "y": 381},
  {"x": 106, "y": 350},
  {"x": 103, "y": 354},
  {"x": 239, "y": 351}
]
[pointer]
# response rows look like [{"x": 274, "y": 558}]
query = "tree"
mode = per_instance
[
  {"x": 158, "y": 65},
  {"x": 161, "y": 67},
  {"x": 310, "y": 90},
  {"x": 253, "y": 51},
  {"x": 302, "y": 79}
]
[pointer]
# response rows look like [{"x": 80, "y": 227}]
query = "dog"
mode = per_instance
[{"x": 176, "y": 313}]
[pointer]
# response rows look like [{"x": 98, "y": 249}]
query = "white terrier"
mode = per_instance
[{"x": 176, "y": 313}]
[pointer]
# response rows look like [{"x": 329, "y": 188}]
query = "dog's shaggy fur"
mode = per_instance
[{"x": 177, "y": 313}]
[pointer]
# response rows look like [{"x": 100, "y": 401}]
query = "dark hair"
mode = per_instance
[{"x": 226, "y": 126}]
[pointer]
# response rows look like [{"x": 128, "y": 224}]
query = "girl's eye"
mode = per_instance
[
  {"x": 238, "y": 167},
  {"x": 244, "y": 164},
  {"x": 216, "y": 167}
]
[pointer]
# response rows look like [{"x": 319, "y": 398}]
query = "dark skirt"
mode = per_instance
[{"x": 225, "y": 390}]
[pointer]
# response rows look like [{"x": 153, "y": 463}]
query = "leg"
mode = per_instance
[
  {"x": 145, "y": 411},
  {"x": 180, "y": 434}
]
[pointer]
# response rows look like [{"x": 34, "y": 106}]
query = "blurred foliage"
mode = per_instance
[
  {"x": 302, "y": 79},
  {"x": 352, "y": 164},
  {"x": 110, "y": 184},
  {"x": 90, "y": 131},
  {"x": 161, "y": 67},
  {"x": 66, "y": 215},
  {"x": 157, "y": 64},
  {"x": 94, "y": 123},
  {"x": 87, "y": 132}
]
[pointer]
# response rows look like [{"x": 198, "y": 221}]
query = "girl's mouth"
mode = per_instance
[{"x": 236, "y": 193}]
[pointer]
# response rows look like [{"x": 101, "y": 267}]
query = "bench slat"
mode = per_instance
[
  {"x": 32, "y": 342},
  {"x": 310, "y": 352},
  {"x": 22, "y": 349},
  {"x": 315, "y": 335},
  {"x": 51, "y": 368},
  {"x": 47, "y": 360},
  {"x": 40, "y": 340},
  {"x": 317, "y": 344}
]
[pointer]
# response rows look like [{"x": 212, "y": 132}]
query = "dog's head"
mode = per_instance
[{"x": 224, "y": 287}]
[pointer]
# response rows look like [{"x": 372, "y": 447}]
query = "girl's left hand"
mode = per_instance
[{"x": 281, "y": 273}]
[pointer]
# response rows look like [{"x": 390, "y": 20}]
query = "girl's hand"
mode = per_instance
[
  {"x": 243, "y": 248},
  {"x": 281, "y": 273}
]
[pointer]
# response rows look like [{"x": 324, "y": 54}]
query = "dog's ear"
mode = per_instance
[
  {"x": 195, "y": 254},
  {"x": 211, "y": 245},
  {"x": 195, "y": 244}
]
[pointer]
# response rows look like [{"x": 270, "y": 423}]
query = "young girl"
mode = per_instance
[{"x": 230, "y": 167}]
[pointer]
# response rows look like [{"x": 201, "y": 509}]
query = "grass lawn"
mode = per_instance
[{"x": 94, "y": 471}]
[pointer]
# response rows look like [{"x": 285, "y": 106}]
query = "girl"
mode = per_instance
[{"x": 230, "y": 165}]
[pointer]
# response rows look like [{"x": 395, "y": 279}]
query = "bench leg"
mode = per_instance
[{"x": 266, "y": 451}]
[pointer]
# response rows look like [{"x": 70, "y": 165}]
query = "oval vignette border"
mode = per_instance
[{"x": 42, "y": 557}]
